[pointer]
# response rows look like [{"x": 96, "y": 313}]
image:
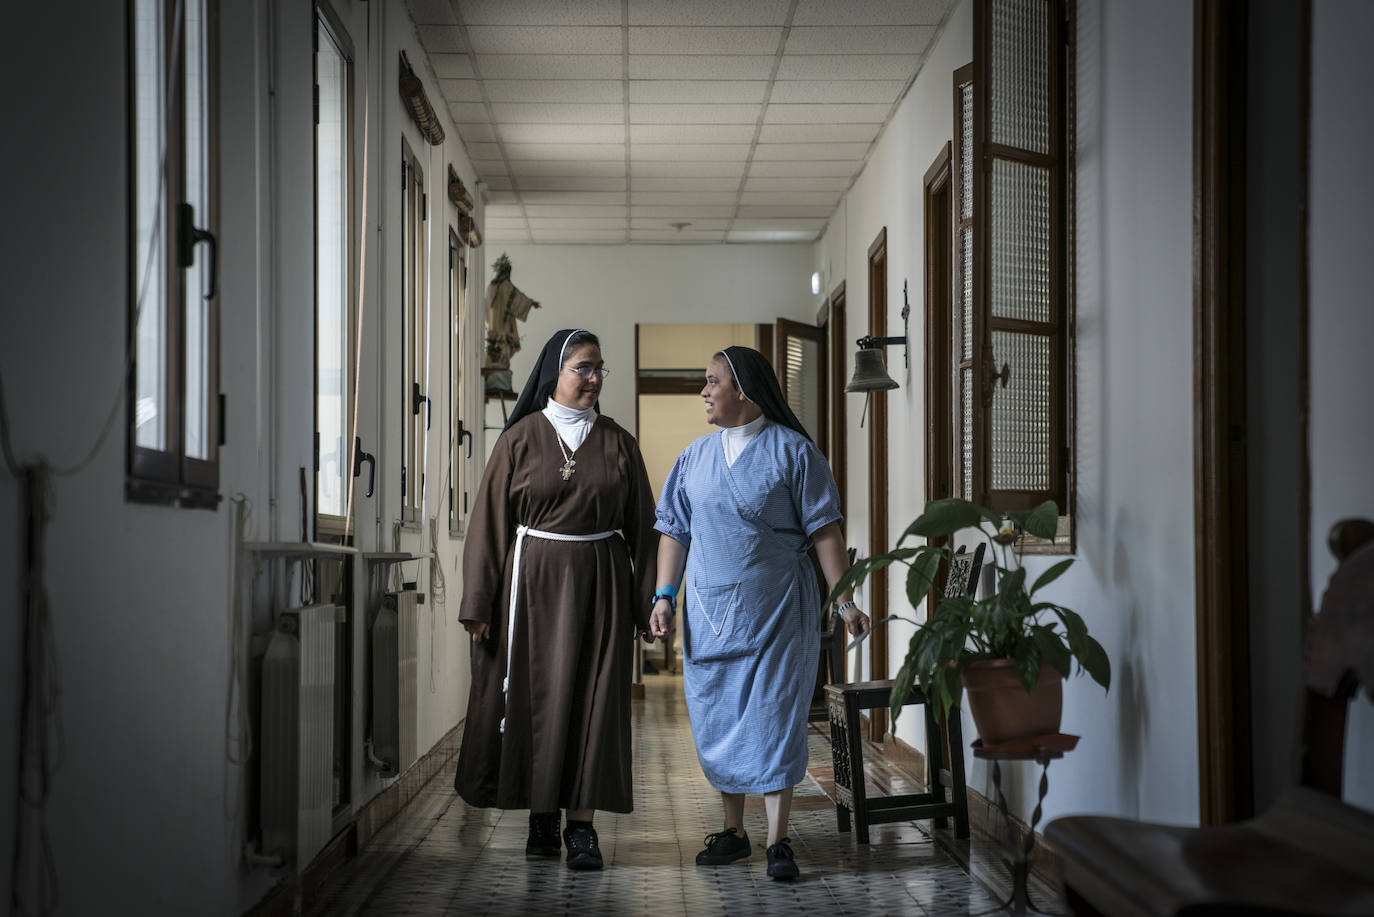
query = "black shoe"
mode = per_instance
[
  {"x": 724, "y": 847},
  {"x": 584, "y": 850},
  {"x": 781, "y": 863},
  {"x": 543, "y": 839}
]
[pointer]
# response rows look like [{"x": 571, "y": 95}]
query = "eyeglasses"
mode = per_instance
[{"x": 586, "y": 372}]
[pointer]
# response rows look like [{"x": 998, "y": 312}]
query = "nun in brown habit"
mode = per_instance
[{"x": 558, "y": 573}]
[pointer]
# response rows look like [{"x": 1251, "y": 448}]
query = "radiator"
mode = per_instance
[
  {"x": 297, "y": 753},
  {"x": 395, "y": 714}
]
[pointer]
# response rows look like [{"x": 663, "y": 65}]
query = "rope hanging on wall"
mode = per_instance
[
  {"x": 421, "y": 112},
  {"x": 458, "y": 193}
]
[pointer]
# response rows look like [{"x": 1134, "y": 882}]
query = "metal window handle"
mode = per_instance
[
  {"x": 993, "y": 375},
  {"x": 462, "y": 435},
  {"x": 416, "y": 399},
  {"x": 359, "y": 456},
  {"x": 191, "y": 236}
]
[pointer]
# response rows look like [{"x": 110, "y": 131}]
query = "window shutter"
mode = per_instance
[{"x": 1018, "y": 329}]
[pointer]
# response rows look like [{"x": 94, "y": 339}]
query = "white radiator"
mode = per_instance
[
  {"x": 395, "y": 684},
  {"x": 297, "y": 752}
]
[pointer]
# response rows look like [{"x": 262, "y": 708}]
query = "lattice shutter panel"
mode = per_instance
[
  {"x": 962, "y": 323},
  {"x": 1019, "y": 261}
]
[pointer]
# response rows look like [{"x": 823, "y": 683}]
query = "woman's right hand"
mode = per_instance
[
  {"x": 661, "y": 619},
  {"x": 478, "y": 629}
]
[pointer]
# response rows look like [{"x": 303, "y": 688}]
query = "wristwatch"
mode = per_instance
[{"x": 672, "y": 600}]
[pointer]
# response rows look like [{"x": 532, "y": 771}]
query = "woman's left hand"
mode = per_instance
[{"x": 855, "y": 621}]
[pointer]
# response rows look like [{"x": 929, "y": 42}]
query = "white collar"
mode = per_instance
[
  {"x": 561, "y": 413},
  {"x": 745, "y": 430}
]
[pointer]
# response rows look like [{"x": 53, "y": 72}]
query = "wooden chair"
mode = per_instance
[
  {"x": 831, "y": 668},
  {"x": 947, "y": 796},
  {"x": 1310, "y": 853}
]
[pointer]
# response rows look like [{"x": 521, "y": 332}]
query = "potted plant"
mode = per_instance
[{"x": 1010, "y": 650}]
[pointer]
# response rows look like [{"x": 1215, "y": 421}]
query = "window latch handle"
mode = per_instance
[
  {"x": 359, "y": 456},
  {"x": 463, "y": 434},
  {"x": 416, "y": 399},
  {"x": 191, "y": 236}
]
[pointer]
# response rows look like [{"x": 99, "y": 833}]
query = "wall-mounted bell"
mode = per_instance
[{"x": 870, "y": 375}]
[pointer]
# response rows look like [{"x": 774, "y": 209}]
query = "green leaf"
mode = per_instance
[
  {"x": 1053, "y": 650},
  {"x": 1092, "y": 658},
  {"x": 944, "y": 517},
  {"x": 901, "y": 689},
  {"x": 852, "y": 578},
  {"x": 1013, "y": 582},
  {"x": 1043, "y": 521},
  {"x": 1050, "y": 575},
  {"x": 1027, "y": 659},
  {"x": 921, "y": 577}
]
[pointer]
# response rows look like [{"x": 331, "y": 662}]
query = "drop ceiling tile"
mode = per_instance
[
  {"x": 818, "y": 183},
  {"x": 456, "y": 91},
  {"x": 507, "y": 237},
  {"x": 859, "y": 39},
  {"x": 489, "y": 166},
  {"x": 585, "y": 236},
  {"x": 496, "y": 196},
  {"x": 776, "y": 211},
  {"x": 870, "y": 12},
  {"x": 692, "y": 133},
  {"x": 864, "y": 91},
  {"x": 812, "y": 225},
  {"x": 692, "y": 212},
  {"x": 701, "y": 66},
  {"x": 847, "y": 66},
  {"x": 541, "y": 12},
  {"x": 771, "y": 235},
  {"x": 695, "y": 151},
  {"x": 484, "y": 151},
  {"x": 685, "y": 169},
  {"x": 562, "y": 133},
  {"x": 441, "y": 39},
  {"x": 543, "y": 40},
  {"x": 697, "y": 91},
  {"x": 577, "y": 222},
  {"x": 567, "y": 168},
  {"x": 790, "y": 168},
  {"x": 606, "y": 92},
  {"x": 708, "y": 12},
  {"x": 846, "y": 151},
  {"x": 688, "y": 235},
  {"x": 545, "y": 211},
  {"x": 704, "y": 40},
  {"x": 818, "y": 133},
  {"x": 698, "y": 224},
  {"x": 694, "y": 114},
  {"x": 467, "y": 112},
  {"x": 431, "y": 12},
  {"x": 825, "y": 114},
  {"x": 790, "y": 198},
  {"x": 494, "y": 223},
  {"x": 573, "y": 198},
  {"x": 477, "y": 133},
  {"x": 498, "y": 184},
  {"x": 451, "y": 66},
  {"x": 571, "y": 183},
  {"x": 615, "y": 151},
  {"x": 503, "y": 212},
  {"x": 640, "y": 198},
  {"x": 555, "y": 113},
  {"x": 551, "y": 66}
]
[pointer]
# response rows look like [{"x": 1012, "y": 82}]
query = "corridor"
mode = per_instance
[{"x": 442, "y": 857}]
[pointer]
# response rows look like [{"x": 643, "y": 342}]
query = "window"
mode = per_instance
[
  {"x": 1011, "y": 331},
  {"x": 335, "y": 345},
  {"x": 415, "y": 362},
  {"x": 175, "y": 412},
  {"x": 459, "y": 450}
]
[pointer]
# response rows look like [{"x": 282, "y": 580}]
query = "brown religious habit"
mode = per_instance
[{"x": 565, "y": 742}]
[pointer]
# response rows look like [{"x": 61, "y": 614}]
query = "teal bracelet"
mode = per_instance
[{"x": 669, "y": 590}]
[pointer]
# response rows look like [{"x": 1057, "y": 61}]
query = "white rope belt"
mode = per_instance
[{"x": 521, "y": 532}]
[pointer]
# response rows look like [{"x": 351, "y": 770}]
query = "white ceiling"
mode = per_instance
[{"x": 615, "y": 120}]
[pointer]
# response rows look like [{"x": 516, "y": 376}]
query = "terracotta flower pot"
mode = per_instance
[{"x": 1003, "y": 709}]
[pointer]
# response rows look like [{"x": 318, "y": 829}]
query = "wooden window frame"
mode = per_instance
[
  {"x": 786, "y": 328},
  {"x": 415, "y": 404},
  {"x": 458, "y": 503},
  {"x": 329, "y": 524},
  {"x": 169, "y": 475}
]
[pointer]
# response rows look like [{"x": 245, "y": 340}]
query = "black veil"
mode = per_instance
[
  {"x": 544, "y": 378},
  {"x": 756, "y": 379}
]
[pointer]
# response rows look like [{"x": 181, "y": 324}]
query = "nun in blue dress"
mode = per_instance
[{"x": 740, "y": 510}]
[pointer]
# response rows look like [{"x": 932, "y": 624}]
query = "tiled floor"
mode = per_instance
[{"x": 442, "y": 857}]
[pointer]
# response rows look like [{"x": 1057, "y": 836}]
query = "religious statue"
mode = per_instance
[{"x": 505, "y": 306}]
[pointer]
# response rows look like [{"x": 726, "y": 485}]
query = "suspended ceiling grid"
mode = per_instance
[{"x": 612, "y": 121}]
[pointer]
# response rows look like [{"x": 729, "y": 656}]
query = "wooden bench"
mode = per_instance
[{"x": 1310, "y": 853}]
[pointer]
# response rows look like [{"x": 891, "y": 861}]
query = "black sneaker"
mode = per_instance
[
  {"x": 724, "y": 847},
  {"x": 543, "y": 839},
  {"x": 584, "y": 850},
  {"x": 781, "y": 863}
]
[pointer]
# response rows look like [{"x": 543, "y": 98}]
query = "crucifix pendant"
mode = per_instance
[{"x": 568, "y": 469}]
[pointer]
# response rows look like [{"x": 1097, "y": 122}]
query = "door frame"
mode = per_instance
[{"x": 877, "y": 479}]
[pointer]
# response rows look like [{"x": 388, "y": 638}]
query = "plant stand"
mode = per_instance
[{"x": 1043, "y": 750}]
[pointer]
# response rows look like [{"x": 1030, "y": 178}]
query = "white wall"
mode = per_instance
[
  {"x": 1341, "y": 198},
  {"x": 609, "y": 288},
  {"x": 1133, "y": 582},
  {"x": 146, "y": 814}
]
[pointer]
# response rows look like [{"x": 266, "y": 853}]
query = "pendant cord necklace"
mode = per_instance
[{"x": 568, "y": 460}]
